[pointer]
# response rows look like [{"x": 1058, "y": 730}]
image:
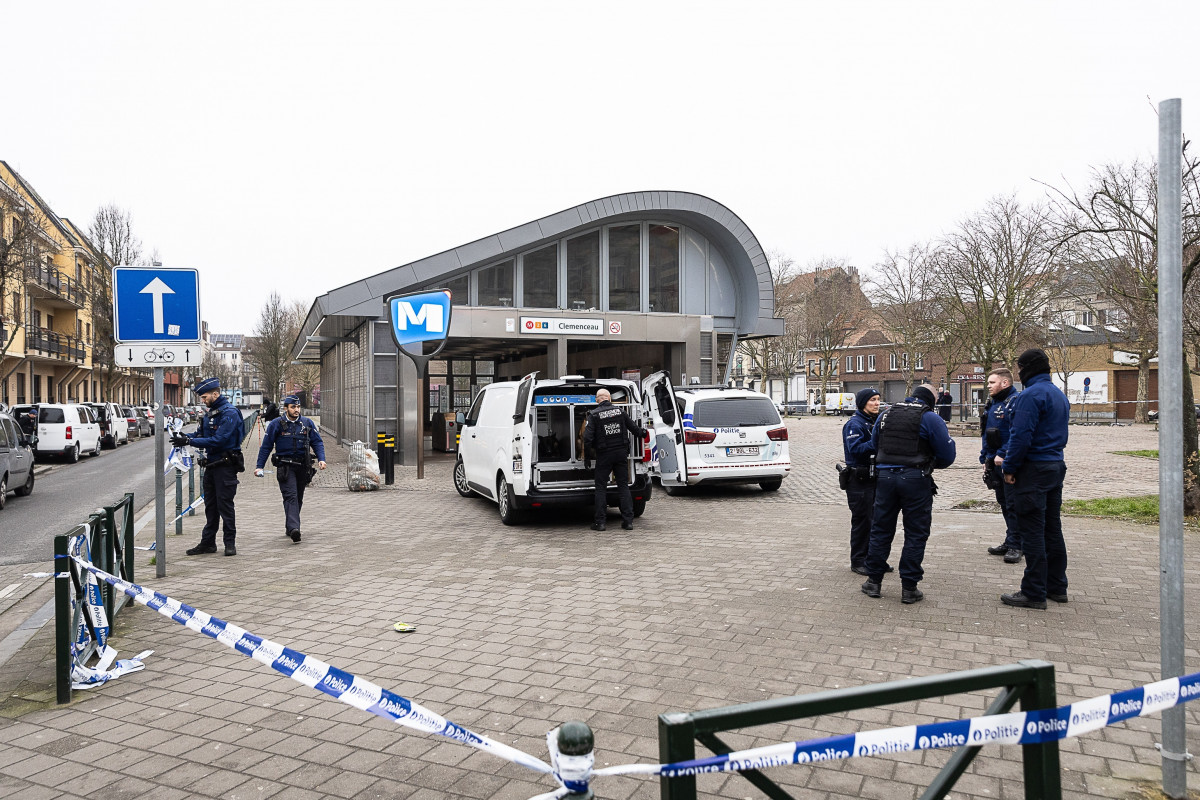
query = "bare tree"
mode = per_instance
[
  {"x": 1065, "y": 356},
  {"x": 111, "y": 232},
  {"x": 211, "y": 366},
  {"x": 270, "y": 350},
  {"x": 996, "y": 274},
  {"x": 305, "y": 376},
  {"x": 828, "y": 301},
  {"x": 23, "y": 245},
  {"x": 776, "y": 355},
  {"x": 901, "y": 291}
]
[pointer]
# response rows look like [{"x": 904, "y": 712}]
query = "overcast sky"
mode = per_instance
[{"x": 302, "y": 146}]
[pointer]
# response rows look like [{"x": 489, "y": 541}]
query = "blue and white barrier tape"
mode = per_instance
[
  {"x": 575, "y": 773},
  {"x": 316, "y": 674}
]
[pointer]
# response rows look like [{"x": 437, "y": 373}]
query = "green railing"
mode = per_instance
[
  {"x": 1029, "y": 682},
  {"x": 110, "y": 540}
]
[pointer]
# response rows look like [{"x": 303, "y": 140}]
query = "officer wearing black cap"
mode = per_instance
[
  {"x": 1034, "y": 469},
  {"x": 911, "y": 441},
  {"x": 858, "y": 477},
  {"x": 605, "y": 434},
  {"x": 996, "y": 420},
  {"x": 220, "y": 434},
  {"x": 294, "y": 439}
]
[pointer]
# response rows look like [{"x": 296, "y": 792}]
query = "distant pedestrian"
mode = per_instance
[
  {"x": 294, "y": 438},
  {"x": 270, "y": 411},
  {"x": 911, "y": 441},
  {"x": 996, "y": 420},
  {"x": 605, "y": 433},
  {"x": 944, "y": 401},
  {"x": 1034, "y": 469},
  {"x": 220, "y": 435}
]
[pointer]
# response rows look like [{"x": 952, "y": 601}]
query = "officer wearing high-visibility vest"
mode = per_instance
[
  {"x": 605, "y": 432},
  {"x": 294, "y": 438},
  {"x": 220, "y": 435},
  {"x": 911, "y": 441}
]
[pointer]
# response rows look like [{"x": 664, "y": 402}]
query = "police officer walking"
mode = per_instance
[
  {"x": 294, "y": 438},
  {"x": 995, "y": 438},
  {"x": 1034, "y": 469},
  {"x": 605, "y": 434},
  {"x": 911, "y": 441},
  {"x": 858, "y": 478},
  {"x": 220, "y": 434}
]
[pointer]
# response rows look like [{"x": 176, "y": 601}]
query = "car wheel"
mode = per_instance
[
  {"x": 460, "y": 479},
  {"x": 27, "y": 489},
  {"x": 73, "y": 454},
  {"x": 639, "y": 507},
  {"x": 3, "y": 491},
  {"x": 504, "y": 499},
  {"x": 771, "y": 486},
  {"x": 99, "y": 446}
]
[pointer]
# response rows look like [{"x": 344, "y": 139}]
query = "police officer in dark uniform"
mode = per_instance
[
  {"x": 605, "y": 434},
  {"x": 220, "y": 434},
  {"x": 911, "y": 441},
  {"x": 294, "y": 438},
  {"x": 1034, "y": 469},
  {"x": 858, "y": 477},
  {"x": 995, "y": 439}
]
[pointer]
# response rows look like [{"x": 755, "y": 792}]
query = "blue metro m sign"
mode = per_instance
[{"x": 420, "y": 317}]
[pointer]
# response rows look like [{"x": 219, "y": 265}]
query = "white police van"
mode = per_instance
[
  {"x": 521, "y": 445},
  {"x": 706, "y": 435}
]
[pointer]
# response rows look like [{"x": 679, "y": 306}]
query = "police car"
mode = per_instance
[
  {"x": 706, "y": 435},
  {"x": 521, "y": 445}
]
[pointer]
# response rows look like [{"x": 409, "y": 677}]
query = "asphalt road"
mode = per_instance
[{"x": 68, "y": 493}]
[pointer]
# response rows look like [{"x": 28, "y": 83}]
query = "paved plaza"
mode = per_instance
[{"x": 717, "y": 597}]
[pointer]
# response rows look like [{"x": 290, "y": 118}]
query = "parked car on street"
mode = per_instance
[
  {"x": 794, "y": 408},
  {"x": 132, "y": 421},
  {"x": 148, "y": 413},
  {"x": 65, "y": 429},
  {"x": 16, "y": 459},
  {"x": 714, "y": 434},
  {"x": 114, "y": 430}
]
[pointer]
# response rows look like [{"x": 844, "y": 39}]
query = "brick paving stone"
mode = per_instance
[{"x": 717, "y": 597}]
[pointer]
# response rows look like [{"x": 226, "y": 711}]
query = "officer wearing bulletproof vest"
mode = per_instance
[
  {"x": 220, "y": 435},
  {"x": 991, "y": 455},
  {"x": 1034, "y": 469},
  {"x": 605, "y": 434},
  {"x": 858, "y": 476},
  {"x": 911, "y": 441},
  {"x": 294, "y": 438}
]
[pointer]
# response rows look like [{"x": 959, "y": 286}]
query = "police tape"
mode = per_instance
[
  {"x": 575, "y": 773},
  {"x": 316, "y": 674}
]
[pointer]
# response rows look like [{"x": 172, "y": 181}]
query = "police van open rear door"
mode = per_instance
[{"x": 666, "y": 430}]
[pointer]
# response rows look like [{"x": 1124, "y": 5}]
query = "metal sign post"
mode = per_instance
[
  {"x": 160, "y": 481},
  {"x": 417, "y": 318}
]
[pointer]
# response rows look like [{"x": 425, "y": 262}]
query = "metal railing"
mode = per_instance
[
  {"x": 53, "y": 281},
  {"x": 56, "y": 344},
  {"x": 111, "y": 547},
  {"x": 1029, "y": 682}
]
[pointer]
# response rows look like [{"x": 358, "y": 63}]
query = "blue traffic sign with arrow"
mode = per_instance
[{"x": 156, "y": 305}]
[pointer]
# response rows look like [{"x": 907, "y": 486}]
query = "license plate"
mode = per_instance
[{"x": 741, "y": 451}]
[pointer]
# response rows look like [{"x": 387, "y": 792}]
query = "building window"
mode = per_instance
[
  {"x": 860, "y": 363},
  {"x": 583, "y": 271},
  {"x": 920, "y": 361},
  {"x": 849, "y": 363},
  {"x": 664, "y": 268},
  {"x": 540, "y": 275},
  {"x": 460, "y": 289},
  {"x": 625, "y": 268},
  {"x": 811, "y": 367},
  {"x": 496, "y": 285},
  {"x": 893, "y": 362},
  {"x": 870, "y": 363}
]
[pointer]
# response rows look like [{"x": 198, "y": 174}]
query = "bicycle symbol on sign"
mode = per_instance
[{"x": 160, "y": 354}]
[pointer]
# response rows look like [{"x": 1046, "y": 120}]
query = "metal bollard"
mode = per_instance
[
  {"x": 379, "y": 437},
  {"x": 178, "y": 503},
  {"x": 191, "y": 492},
  {"x": 389, "y": 445},
  {"x": 576, "y": 742}
]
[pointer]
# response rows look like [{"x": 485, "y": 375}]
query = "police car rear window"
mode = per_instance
[
  {"x": 734, "y": 412},
  {"x": 52, "y": 416}
]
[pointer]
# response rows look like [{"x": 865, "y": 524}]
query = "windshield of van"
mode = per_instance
[
  {"x": 51, "y": 415},
  {"x": 735, "y": 412}
]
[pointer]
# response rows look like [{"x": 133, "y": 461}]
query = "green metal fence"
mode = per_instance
[
  {"x": 1029, "y": 682},
  {"x": 110, "y": 539}
]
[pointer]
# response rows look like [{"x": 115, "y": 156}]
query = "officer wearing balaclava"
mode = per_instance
[{"x": 1033, "y": 470}]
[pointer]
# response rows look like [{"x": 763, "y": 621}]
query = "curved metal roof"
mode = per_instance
[{"x": 348, "y": 306}]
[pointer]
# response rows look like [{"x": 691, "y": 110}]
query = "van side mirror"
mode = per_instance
[{"x": 460, "y": 418}]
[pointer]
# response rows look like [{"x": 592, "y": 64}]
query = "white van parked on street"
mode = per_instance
[
  {"x": 714, "y": 434},
  {"x": 837, "y": 404},
  {"x": 521, "y": 445},
  {"x": 66, "y": 429}
]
